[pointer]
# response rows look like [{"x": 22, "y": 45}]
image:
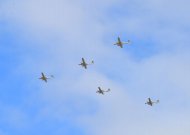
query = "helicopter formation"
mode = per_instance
[{"x": 84, "y": 64}]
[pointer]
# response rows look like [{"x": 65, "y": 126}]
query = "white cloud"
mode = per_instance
[
  {"x": 65, "y": 31},
  {"x": 13, "y": 118}
]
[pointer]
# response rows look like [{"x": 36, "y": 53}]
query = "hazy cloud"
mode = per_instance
[{"x": 57, "y": 34}]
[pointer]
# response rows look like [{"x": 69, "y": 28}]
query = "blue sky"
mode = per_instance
[{"x": 52, "y": 36}]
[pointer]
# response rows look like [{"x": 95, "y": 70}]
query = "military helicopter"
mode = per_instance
[
  {"x": 150, "y": 102},
  {"x": 100, "y": 91},
  {"x": 44, "y": 78},
  {"x": 84, "y": 64},
  {"x": 120, "y": 43}
]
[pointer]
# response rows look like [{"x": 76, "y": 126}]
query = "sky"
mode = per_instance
[{"x": 52, "y": 36}]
